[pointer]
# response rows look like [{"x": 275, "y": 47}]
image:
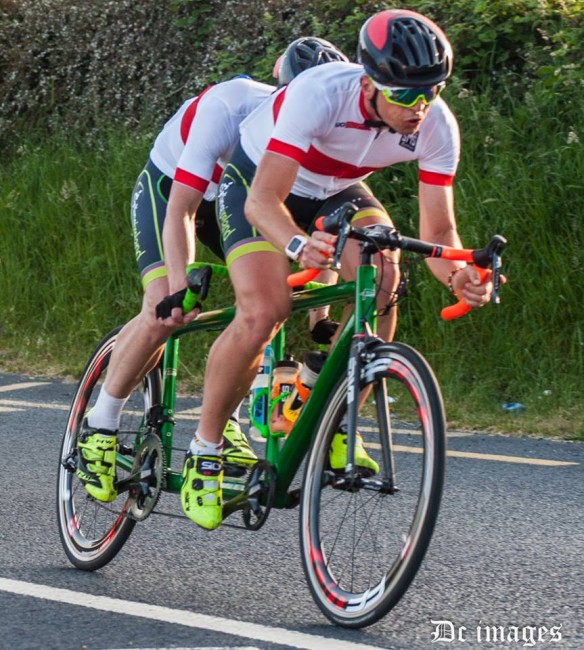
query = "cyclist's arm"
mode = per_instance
[
  {"x": 438, "y": 225},
  {"x": 178, "y": 235},
  {"x": 266, "y": 211}
]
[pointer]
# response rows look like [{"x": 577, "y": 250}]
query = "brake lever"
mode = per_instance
[
  {"x": 338, "y": 223},
  {"x": 483, "y": 259},
  {"x": 341, "y": 240},
  {"x": 495, "y": 250},
  {"x": 496, "y": 264}
]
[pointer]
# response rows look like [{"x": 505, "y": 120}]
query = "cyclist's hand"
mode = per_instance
[
  {"x": 169, "y": 310},
  {"x": 318, "y": 252},
  {"x": 467, "y": 285},
  {"x": 178, "y": 319}
]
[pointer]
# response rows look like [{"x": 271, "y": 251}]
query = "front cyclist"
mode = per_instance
[
  {"x": 175, "y": 189},
  {"x": 303, "y": 153}
]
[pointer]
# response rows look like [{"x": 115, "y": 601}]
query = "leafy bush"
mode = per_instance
[
  {"x": 82, "y": 64},
  {"x": 85, "y": 85}
]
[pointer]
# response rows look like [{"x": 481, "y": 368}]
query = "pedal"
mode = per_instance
[
  {"x": 260, "y": 490},
  {"x": 234, "y": 470},
  {"x": 70, "y": 462},
  {"x": 150, "y": 469}
]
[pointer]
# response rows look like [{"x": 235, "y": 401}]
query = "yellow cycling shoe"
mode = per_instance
[
  {"x": 236, "y": 447},
  {"x": 96, "y": 463},
  {"x": 201, "y": 490},
  {"x": 338, "y": 455}
]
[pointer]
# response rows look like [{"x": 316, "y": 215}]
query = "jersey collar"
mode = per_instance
[{"x": 367, "y": 121}]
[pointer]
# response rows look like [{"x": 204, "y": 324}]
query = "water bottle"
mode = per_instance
[
  {"x": 258, "y": 396},
  {"x": 306, "y": 379},
  {"x": 283, "y": 380}
]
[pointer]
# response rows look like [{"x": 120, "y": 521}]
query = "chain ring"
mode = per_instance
[
  {"x": 144, "y": 495},
  {"x": 261, "y": 482}
]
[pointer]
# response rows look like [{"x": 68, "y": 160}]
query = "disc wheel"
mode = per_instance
[
  {"x": 92, "y": 532},
  {"x": 362, "y": 541}
]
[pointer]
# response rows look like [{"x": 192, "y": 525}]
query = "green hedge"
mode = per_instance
[
  {"x": 87, "y": 62},
  {"x": 86, "y": 86}
]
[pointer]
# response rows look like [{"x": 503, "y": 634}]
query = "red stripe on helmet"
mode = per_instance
[{"x": 377, "y": 27}]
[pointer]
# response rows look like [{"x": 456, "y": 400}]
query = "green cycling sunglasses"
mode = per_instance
[{"x": 408, "y": 97}]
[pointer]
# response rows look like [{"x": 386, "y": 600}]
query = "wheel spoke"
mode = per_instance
[
  {"x": 362, "y": 543},
  {"x": 92, "y": 533}
]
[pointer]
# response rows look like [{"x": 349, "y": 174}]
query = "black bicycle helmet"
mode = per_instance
[
  {"x": 402, "y": 48},
  {"x": 304, "y": 53}
]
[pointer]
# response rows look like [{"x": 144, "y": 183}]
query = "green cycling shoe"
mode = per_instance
[
  {"x": 338, "y": 455},
  {"x": 236, "y": 447},
  {"x": 96, "y": 463},
  {"x": 201, "y": 492}
]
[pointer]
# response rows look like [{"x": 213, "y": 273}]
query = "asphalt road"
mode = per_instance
[{"x": 504, "y": 569}]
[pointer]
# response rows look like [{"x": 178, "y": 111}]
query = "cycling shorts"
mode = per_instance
[
  {"x": 240, "y": 238},
  {"x": 148, "y": 210}
]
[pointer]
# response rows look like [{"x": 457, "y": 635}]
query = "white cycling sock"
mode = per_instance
[
  {"x": 107, "y": 411},
  {"x": 235, "y": 414},
  {"x": 201, "y": 447}
]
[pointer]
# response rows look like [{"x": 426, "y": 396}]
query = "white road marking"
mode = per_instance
[
  {"x": 254, "y": 631},
  {"x": 469, "y": 454},
  {"x": 500, "y": 458},
  {"x": 38, "y": 405},
  {"x": 8, "y": 405},
  {"x": 27, "y": 384}
]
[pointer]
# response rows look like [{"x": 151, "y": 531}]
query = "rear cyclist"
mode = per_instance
[{"x": 174, "y": 194}]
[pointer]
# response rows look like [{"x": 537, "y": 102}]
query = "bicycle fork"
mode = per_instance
[
  {"x": 353, "y": 395},
  {"x": 361, "y": 353}
]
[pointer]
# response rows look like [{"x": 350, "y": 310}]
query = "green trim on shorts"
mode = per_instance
[
  {"x": 371, "y": 212},
  {"x": 223, "y": 217},
  {"x": 161, "y": 196},
  {"x": 154, "y": 213},
  {"x": 252, "y": 247},
  {"x": 158, "y": 272},
  {"x": 242, "y": 178}
]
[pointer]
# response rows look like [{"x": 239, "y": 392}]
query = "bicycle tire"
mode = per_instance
[
  {"x": 92, "y": 533},
  {"x": 360, "y": 548}
]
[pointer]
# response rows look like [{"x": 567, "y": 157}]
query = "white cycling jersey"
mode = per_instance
[
  {"x": 199, "y": 138},
  {"x": 318, "y": 120}
]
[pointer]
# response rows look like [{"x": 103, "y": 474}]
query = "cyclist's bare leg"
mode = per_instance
[
  {"x": 262, "y": 305},
  {"x": 139, "y": 344},
  {"x": 319, "y": 313}
]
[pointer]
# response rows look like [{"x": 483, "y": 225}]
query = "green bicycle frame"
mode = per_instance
[{"x": 284, "y": 454}]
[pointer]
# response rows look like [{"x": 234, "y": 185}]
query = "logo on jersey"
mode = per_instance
[
  {"x": 352, "y": 125},
  {"x": 409, "y": 141}
]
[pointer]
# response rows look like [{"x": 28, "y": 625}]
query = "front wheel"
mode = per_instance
[
  {"x": 362, "y": 541},
  {"x": 92, "y": 533}
]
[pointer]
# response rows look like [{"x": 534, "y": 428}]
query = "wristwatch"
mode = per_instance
[{"x": 295, "y": 247}]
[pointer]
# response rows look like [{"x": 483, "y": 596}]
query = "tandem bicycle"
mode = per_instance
[{"x": 362, "y": 538}]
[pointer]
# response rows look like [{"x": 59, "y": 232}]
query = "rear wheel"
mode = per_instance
[
  {"x": 362, "y": 542},
  {"x": 92, "y": 532}
]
